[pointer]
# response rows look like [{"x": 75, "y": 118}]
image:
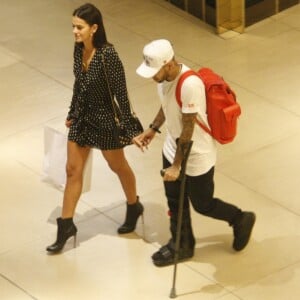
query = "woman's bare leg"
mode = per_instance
[
  {"x": 134, "y": 209},
  {"x": 118, "y": 164},
  {"x": 77, "y": 157}
]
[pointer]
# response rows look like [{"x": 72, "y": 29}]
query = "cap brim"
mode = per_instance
[{"x": 145, "y": 71}]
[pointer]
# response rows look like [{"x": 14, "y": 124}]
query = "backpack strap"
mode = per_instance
[{"x": 178, "y": 95}]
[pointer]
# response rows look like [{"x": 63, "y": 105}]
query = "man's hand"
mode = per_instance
[
  {"x": 171, "y": 174},
  {"x": 144, "y": 139}
]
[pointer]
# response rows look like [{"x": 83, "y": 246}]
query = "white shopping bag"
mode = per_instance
[{"x": 55, "y": 158}]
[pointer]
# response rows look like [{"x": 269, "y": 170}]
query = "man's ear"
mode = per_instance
[{"x": 170, "y": 65}]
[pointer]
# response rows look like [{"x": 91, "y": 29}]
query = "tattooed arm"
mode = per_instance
[
  {"x": 188, "y": 122},
  {"x": 159, "y": 119}
]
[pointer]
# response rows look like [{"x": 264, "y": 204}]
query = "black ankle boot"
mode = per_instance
[
  {"x": 132, "y": 214},
  {"x": 65, "y": 230}
]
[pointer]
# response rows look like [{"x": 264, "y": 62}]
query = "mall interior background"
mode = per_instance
[{"x": 259, "y": 171}]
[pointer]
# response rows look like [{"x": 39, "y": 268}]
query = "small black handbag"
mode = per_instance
[{"x": 125, "y": 131}]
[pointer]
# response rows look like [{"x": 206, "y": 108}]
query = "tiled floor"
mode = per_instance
[{"x": 259, "y": 172}]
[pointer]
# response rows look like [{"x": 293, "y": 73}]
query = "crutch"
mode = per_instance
[{"x": 182, "y": 178}]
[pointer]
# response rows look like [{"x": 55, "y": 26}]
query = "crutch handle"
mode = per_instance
[{"x": 185, "y": 157}]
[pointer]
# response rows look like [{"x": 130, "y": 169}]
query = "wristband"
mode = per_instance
[{"x": 154, "y": 128}]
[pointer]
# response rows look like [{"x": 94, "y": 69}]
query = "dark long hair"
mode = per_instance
[{"x": 92, "y": 15}]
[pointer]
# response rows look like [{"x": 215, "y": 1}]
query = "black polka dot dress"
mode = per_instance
[{"x": 91, "y": 107}]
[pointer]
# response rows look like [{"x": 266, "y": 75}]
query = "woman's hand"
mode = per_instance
[
  {"x": 68, "y": 123},
  {"x": 144, "y": 139}
]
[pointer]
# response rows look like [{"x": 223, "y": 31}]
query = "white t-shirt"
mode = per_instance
[{"x": 203, "y": 153}]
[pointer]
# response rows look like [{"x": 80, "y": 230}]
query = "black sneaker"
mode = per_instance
[
  {"x": 165, "y": 255},
  {"x": 242, "y": 230}
]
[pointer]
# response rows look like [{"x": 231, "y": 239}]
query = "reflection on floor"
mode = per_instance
[{"x": 259, "y": 172}]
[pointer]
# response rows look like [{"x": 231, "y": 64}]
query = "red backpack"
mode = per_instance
[{"x": 221, "y": 106}]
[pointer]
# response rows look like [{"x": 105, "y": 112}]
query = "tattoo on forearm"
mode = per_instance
[
  {"x": 159, "y": 119},
  {"x": 188, "y": 122}
]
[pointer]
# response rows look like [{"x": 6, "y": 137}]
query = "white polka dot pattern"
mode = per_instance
[{"x": 91, "y": 107}]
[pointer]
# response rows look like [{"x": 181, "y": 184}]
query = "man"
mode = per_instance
[{"x": 160, "y": 65}]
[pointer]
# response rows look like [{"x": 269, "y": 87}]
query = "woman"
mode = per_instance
[{"x": 99, "y": 76}]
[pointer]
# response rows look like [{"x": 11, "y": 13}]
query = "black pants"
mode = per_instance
[{"x": 200, "y": 191}]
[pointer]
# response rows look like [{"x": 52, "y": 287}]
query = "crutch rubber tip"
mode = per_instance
[{"x": 173, "y": 293}]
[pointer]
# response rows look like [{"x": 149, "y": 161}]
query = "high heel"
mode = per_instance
[
  {"x": 65, "y": 230},
  {"x": 133, "y": 212}
]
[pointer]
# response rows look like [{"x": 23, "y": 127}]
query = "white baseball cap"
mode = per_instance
[{"x": 156, "y": 55}]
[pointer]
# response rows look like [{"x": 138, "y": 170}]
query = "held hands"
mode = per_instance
[{"x": 144, "y": 139}]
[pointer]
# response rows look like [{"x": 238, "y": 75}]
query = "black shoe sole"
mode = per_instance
[{"x": 165, "y": 263}]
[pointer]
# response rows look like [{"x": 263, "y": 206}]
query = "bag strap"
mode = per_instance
[
  {"x": 111, "y": 94},
  {"x": 178, "y": 95}
]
